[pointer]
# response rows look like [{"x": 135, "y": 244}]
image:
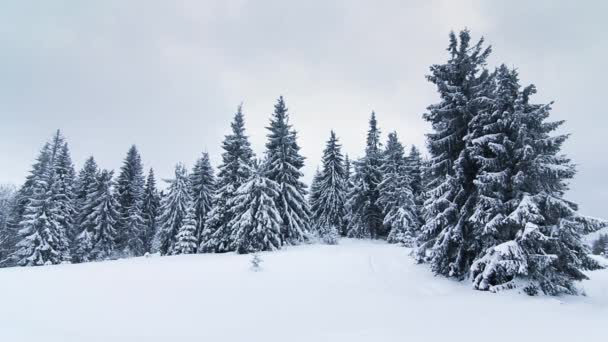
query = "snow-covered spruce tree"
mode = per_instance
[
  {"x": 63, "y": 187},
  {"x": 87, "y": 177},
  {"x": 236, "y": 168},
  {"x": 284, "y": 165},
  {"x": 130, "y": 193},
  {"x": 530, "y": 234},
  {"x": 42, "y": 239},
  {"x": 8, "y": 193},
  {"x": 173, "y": 211},
  {"x": 349, "y": 188},
  {"x": 81, "y": 243},
  {"x": 396, "y": 196},
  {"x": 202, "y": 185},
  {"x": 328, "y": 211},
  {"x": 17, "y": 212},
  {"x": 414, "y": 169},
  {"x": 348, "y": 173},
  {"x": 366, "y": 217},
  {"x": 256, "y": 220},
  {"x": 313, "y": 197},
  {"x": 150, "y": 210},
  {"x": 187, "y": 240},
  {"x": 27, "y": 189},
  {"x": 8, "y": 198},
  {"x": 97, "y": 240},
  {"x": 447, "y": 241}
]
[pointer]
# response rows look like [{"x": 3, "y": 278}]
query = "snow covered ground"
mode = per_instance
[{"x": 356, "y": 291}]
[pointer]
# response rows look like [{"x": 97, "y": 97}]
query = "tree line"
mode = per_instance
[{"x": 487, "y": 204}]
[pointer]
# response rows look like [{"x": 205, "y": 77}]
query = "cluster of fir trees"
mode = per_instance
[
  {"x": 381, "y": 199},
  {"x": 495, "y": 211},
  {"x": 259, "y": 204},
  {"x": 60, "y": 216}
]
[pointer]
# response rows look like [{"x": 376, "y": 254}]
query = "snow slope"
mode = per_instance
[{"x": 356, "y": 291}]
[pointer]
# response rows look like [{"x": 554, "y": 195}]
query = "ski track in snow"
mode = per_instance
[{"x": 356, "y": 291}]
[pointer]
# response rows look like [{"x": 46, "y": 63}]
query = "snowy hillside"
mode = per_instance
[{"x": 356, "y": 291}]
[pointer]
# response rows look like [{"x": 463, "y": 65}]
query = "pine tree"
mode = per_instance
[
  {"x": 496, "y": 211},
  {"x": 8, "y": 198},
  {"x": 396, "y": 196},
  {"x": 285, "y": 163},
  {"x": 26, "y": 191},
  {"x": 202, "y": 184},
  {"x": 43, "y": 240},
  {"x": 366, "y": 218},
  {"x": 236, "y": 168},
  {"x": 130, "y": 188},
  {"x": 531, "y": 236},
  {"x": 447, "y": 241},
  {"x": 256, "y": 222},
  {"x": 22, "y": 198},
  {"x": 86, "y": 178},
  {"x": 348, "y": 188},
  {"x": 186, "y": 240},
  {"x": 348, "y": 173},
  {"x": 313, "y": 200},
  {"x": 97, "y": 241},
  {"x": 328, "y": 209},
  {"x": 173, "y": 211},
  {"x": 150, "y": 210},
  {"x": 313, "y": 195},
  {"x": 414, "y": 165},
  {"x": 63, "y": 187}
]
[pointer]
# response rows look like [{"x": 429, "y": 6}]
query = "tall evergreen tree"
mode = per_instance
[
  {"x": 256, "y": 222},
  {"x": 328, "y": 209},
  {"x": 26, "y": 191},
  {"x": 63, "y": 182},
  {"x": 8, "y": 197},
  {"x": 150, "y": 210},
  {"x": 496, "y": 211},
  {"x": 86, "y": 178},
  {"x": 313, "y": 195},
  {"x": 284, "y": 165},
  {"x": 130, "y": 188},
  {"x": 17, "y": 212},
  {"x": 43, "y": 239},
  {"x": 97, "y": 240},
  {"x": 396, "y": 196},
  {"x": 173, "y": 210},
  {"x": 348, "y": 169},
  {"x": 202, "y": 185},
  {"x": 447, "y": 241},
  {"x": 366, "y": 215},
  {"x": 414, "y": 165},
  {"x": 528, "y": 232},
  {"x": 349, "y": 188},
  {"x": 186, "y": 239},
  {"x": 236, "y": 168}
]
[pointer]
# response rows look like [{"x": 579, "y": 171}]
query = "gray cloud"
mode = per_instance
[{"x": 169, "y": 75}]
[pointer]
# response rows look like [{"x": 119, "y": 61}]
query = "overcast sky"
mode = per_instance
[{"x": 168, "y": 75}]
